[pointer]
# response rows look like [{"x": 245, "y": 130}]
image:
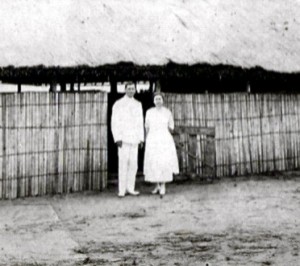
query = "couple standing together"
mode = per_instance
[{"x": 160, "y": 160}]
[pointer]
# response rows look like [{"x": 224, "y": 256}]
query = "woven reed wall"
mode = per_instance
[
  {"x": 255, "y": 133},
  {"x": 52, "y": 143}
]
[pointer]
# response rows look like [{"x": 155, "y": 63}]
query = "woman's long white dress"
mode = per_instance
[{"x": 161, "y": 160}]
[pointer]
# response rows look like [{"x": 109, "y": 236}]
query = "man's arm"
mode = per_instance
[
  {"x": 115, "y": 125},
  {"x": 141, "y": 131}
]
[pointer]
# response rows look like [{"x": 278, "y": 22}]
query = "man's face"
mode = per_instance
[{"x": 130, "y": 90}]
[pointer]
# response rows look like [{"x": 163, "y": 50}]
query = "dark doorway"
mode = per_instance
[{"x": 145, "y": 97}]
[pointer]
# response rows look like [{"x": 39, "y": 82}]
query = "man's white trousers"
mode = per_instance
[{"x": 128, "y": 164}]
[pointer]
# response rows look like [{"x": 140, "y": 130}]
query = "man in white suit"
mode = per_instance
[{"x": 127, "y": 126}]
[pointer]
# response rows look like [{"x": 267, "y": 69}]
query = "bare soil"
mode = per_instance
[{"x": 242, "y": 221}]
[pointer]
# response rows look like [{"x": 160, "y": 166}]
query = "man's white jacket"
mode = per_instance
[{"x": 127, "y": 123}]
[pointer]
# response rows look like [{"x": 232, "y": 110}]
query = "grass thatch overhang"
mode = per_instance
[{"x": 173, "y": 77}]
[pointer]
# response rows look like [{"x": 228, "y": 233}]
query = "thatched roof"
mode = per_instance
[{"x": 67, "y": 33}]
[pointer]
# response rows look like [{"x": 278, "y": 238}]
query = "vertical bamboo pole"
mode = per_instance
[
  {"x": 226, "y": 133},
  {"x": 239, "y": 137},
  {"x": 254, "y": 132},
  {"x": 65, "y": 146},
  {"x": 229, "y": 103},
  {"x": 49, "y": 144},
  {"x": 41, "y": 112},
  {"x": 88, "y": 142},
  {"x": 284, "y": 133},
  {"x": 91, "y": 141},
  {"x": 292, "y": 130},
  {"x": 254, "y": 135},
  {"x": 287, "y": 132},
  {"x": 82, "y": 142},
  {"x": 2, "y": 145},
  {"x": 298, "y": 128},
  {"x": 257, "y": 109},
  {"x": 226, "y": 128},
  {"x": 197, "y": 111},
  {"x": 9, "y": 149},
  {"x": 93, "y": 137},
  {"x": 15, "y": 158},
  {"x": 76, "y": 142},
  {"x": 230, "y": 124},
  {"x": 242, "y": 136},
  {"x": 54, "y": 144},
  {"x": 297, "y": 112},
  {"x": 80, "y": 132},
  {"x": 72, "y": 143},
  {"x": 70, "y": 139},
  {"x": 32, "y": 145},
  {"x": 263, "y": 137},
  {"x": 29, "y": 159},
  {"x": 96, "y": 146},
  {"x": 249, "y": 133},
  {"x": 293, "y": 124},
  {"x": 281, "y": 146},
  {"x": 276, "y": 154},
  {"x": 21, "y": 145},
  {"x": 61, "y": 135},
  {"x": 102, "y": 143},
  {"x": 216, "y": 125},
  {"x": 57, "y": 143},
  {"x": 45, "y": 136},
  {"x": 8, "y": 146},
  {"x": 199, "y": 106},
  {"x": 37, "y": 141},
  {"x": 223, "y": 117},
  {"x": 31, "y": 170},
  {"x": 25, "y": 146},
  {"x": 270, "y": 133},
  {"x": 220, "y": 137}
]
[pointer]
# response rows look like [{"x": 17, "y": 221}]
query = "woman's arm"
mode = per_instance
[
  {"x": 147, "y": 123},
  {"x": 171, "y": 123},
  {"x": 147, "y": 131}
]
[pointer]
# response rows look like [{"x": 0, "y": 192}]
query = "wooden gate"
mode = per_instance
[{"x": 196, "y": 151}]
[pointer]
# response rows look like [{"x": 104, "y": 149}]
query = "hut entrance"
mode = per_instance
[{"x": 196, "y": 151}]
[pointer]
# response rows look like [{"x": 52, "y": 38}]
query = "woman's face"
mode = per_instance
[{"x": 158, "y": 101}]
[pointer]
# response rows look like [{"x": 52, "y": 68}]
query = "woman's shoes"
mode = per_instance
[
  {"x": 156, "y": 190},
  {"x": 162, "y": 190}
]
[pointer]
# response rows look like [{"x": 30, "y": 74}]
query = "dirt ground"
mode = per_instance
[{"x": 242, "y": 221}]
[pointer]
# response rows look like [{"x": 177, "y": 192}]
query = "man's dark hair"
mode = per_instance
[{"x": 130, "y": 83}]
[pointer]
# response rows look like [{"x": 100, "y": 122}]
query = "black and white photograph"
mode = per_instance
[{"x": 149, "y": 132}]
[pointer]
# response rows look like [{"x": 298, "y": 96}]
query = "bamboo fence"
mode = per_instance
[
  {"x": 254, "y": 133},
  {"x": 52, "y": 143}
]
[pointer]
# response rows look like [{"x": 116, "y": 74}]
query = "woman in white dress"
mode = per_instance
[{"x": 161, "y": 160}]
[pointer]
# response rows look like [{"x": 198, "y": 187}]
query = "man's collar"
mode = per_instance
[{"x": 128, "y": 98}]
